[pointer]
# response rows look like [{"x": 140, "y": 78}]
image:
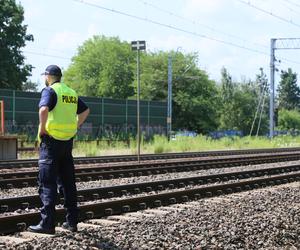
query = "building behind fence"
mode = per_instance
[{"x": 109, "y": 118}]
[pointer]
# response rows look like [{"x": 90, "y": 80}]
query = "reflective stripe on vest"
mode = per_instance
[{"x": 62, "y": 120}]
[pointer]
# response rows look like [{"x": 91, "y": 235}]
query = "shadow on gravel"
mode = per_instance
[{"x": 105, "y": 244}]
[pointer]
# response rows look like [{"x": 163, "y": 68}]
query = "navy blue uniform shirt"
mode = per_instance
[{"x": 49, "y": 99}]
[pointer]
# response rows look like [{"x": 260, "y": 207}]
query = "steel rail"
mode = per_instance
[
  {"x": 14, "y": 223},
  {"x": 145, "y": 157},
  {"x": 162, "y": 168},
  {"x": 191, "y": 162},
  {"x": 23, "y": 202}
]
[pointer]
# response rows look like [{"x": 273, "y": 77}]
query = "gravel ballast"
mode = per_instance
[
  {"x": 129, "y": 163},
  {"x": 267, "y": 218},
  {"x": 7, "y": 193}
]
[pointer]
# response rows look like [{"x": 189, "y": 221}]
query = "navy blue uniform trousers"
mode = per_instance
[{"x": 56, "y": 166}]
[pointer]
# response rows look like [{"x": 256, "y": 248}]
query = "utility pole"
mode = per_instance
[
  {"x": 272, "y": 71},
  {"x": 138, "y": 45},
  {"x": 169, "y": 115},
  {"x": 278, "y": 44},
  {"x": 138, "y": 105}
]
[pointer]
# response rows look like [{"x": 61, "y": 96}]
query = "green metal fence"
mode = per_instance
[{"x": 108, "y": 117}]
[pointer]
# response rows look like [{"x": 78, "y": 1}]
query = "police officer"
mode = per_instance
[{"x": 61, "y": 113}]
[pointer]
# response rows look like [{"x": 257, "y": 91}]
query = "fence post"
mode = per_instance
[
  {"x": 14, "y": 107},
  {"x": 126, "y": 116},
  {"x": 148, "y": 129},
  {"x": 102, "y": 116}
]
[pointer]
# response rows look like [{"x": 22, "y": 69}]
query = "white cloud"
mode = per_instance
[
  {"x": 65, "y": 40},
  {"x": 195, "y": 7},
  {"x": 255, "y": 62},
  {"x": 92, "y": 30},
  {"x": 183, "y": 43},
  {"x": 33, "y": 10},
  {"x": 261, "y": 40},
  {"x": 237, "y": 66},
  {"x": 212, "y": 55}
]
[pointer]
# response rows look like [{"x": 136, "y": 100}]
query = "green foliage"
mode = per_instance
[
  {"x": 160, "y": 144},
  {"x": 13, "y": 71},
  {"x": 288, "y": 119},
  {"x": 262, "y": 81},
  {"x": 288, "y": 91},
  {"x": 226, "y": 104},
  {"x": 30, "y": 86},
  {"x": 102, "y": 67},
  {"x": 194, "y": 95},
  {"x": 107, "y": 67},
  {"x": 260, "y": 122},
  {"x": 238, "y": 104},
  {"x": 227, "y": 86}
]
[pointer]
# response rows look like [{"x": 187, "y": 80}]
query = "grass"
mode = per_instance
[
  {"x": 202, "y": 143},
  {"x": 160, "y": 144}
]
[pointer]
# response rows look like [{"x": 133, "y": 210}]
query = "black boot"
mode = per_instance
[
  {"x": 67, "y": 226},
  {"x": 39, "y": 229}
]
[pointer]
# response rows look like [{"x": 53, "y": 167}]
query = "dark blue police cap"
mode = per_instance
[{"x": 53, "y": 70}]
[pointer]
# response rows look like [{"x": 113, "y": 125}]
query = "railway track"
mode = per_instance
[
  {"x": 14, "y": 223},
  {"x": 113, "y": 200},
  {"x": 29, "y": 178},
  {"x": 145, "y": 157},
  {"x": 11, "y": 204}
]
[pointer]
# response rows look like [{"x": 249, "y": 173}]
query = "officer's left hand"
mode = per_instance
[{"x": 43, "y": 131}]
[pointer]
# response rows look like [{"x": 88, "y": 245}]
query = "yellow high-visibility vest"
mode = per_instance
[{"x": 62, "y": 120}]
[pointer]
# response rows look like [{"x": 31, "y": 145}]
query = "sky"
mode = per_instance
[{"x": 234, "y": 34}]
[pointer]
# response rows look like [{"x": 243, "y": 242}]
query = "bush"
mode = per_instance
[{"x": 288, "y": 119}]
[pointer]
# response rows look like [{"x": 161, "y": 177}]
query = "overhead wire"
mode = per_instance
[
  {"x": 289, "y": 8},
  {"x": 56, "y": 50},
  {"x": 45, "y": 54},
  {"x": 170, "y": 26},
  {"x": 292, "y": 3},
  {"x": 177, "y": 28},
  {"x": 198, "y": 23},
  {"x": 248, "y": 3}
]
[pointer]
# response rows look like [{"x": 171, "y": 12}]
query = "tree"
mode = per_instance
[
  {"x": 194, "y": 95},
  {"x": 227, "y": 111},
  {"x": 288, "y": 91},
  {"x": 245, "y": 102},
  {"x": 30, "y": 86},
  {"x": 260, "y": 119},
  {"x": 102, "y": 67},
  {"x": 13, "y": 71},
  {"x": 289, "y": 119},
  {"x": 239, "y": 101},
  {"x": 227, "y": 86}
]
